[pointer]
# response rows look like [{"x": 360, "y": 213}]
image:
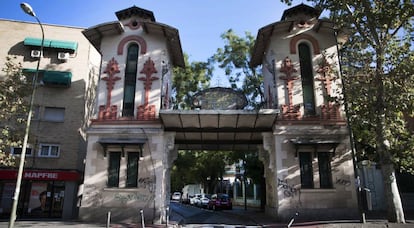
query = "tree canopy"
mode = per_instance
[
  {"x": 13, "y": 109},
  {"x": 378, "y": 75}
]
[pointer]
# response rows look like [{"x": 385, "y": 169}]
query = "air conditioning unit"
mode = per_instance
[
  {"x": 36, "y": 54},
  {"x": 63, "y": 55}
]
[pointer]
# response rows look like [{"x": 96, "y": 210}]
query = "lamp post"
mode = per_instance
[{"x": 27, "y": 9}]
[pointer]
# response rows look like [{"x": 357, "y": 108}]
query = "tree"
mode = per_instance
[
  {"x": 234, "y": 59},
  {"x": 13, "y": 109},
  {"x": 205, "y": 167},
  {"x": 378, "y": 79},
  {"x": 195, "y": 76}
]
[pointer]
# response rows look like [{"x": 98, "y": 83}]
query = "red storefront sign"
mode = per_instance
[{"x": 40, "y": 175}]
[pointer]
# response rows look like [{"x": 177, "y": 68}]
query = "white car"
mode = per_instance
[
  {"x": 176, "y": 196},
  {"x": 195, "y": 199},
  {"x": 205, "y": 198}
]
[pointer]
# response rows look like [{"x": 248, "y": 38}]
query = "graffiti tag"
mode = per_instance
[{"x": 288, "y": 190}]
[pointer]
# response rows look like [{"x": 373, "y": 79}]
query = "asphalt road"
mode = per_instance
[{"x": 194, "y": 215}]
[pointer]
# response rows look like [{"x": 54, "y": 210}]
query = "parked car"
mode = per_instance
[
  {"x": 195, "y": 199},
  {"x": 220, "y": 201},
  {"x": 176, "y": 196},
  {"x": 204, "y": 200}
]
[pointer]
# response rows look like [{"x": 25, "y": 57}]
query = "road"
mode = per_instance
[{"x": 195, "y": 215}]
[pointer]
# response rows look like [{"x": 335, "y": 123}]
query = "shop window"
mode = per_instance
[
  {"x": 113, "y": 169},
  {"x": 306, "y": 170},
  {"x": 130, "y": 80},
  {"x": 306, "y": 72},
  {"x": 132, "y": 170},
  {"x": 18, "y": 151},
  {"x": 54, "y": 114},
  {"x": 49, "y": 150}
]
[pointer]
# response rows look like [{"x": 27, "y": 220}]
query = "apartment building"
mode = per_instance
[{"x": 65, "y": 94}]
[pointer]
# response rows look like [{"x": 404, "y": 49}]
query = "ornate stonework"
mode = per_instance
[
  {"x": 289, "y": 111},
  {"x": 109, "y": 112},
  {"x": 146, "y": 111}
]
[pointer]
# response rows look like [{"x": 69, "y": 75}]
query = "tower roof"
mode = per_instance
[
  {"x": 300, "y": 9},
  {"x": 135, "y": 11}
]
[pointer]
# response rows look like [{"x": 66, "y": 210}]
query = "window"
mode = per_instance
[
  {"x": 54, "y": 114},
  {"x": 49, "y": 150},
  {"x": 132, "y": 170},
  {"x": 130, "y": 80},
  {"x": 18, "y": 151},
  {"x": 325, "y": 174},
  {"x": 306, "y": 169},
  {"x": 306, "y": 72},
  {"x": 113, "y": 169}
]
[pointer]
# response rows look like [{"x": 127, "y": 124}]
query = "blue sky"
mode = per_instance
[{"x": 200, "y": 23}]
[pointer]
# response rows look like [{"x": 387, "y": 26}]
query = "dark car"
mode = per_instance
[{"x": 220, "y": 201}]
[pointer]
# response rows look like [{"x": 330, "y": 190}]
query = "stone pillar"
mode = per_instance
[
  {"x": 268, "y": 156},
  {"x": 163, "y": 163}
]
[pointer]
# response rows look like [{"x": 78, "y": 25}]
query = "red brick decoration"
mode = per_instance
[
  {"x": 311, "y": 39},
  {"x": 329, "y": 111},
  {"x": 146, "y": 111},
  {"x": 138, "y": 39},
  {"x": 289, "y": 70},
  {"x": 109, "y": 111},
  {"x": 325, "y": 75},
  {"x": 289, "y": 111},
  {"x": 133, "y": 24}
]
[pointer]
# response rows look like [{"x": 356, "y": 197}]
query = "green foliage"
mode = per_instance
[
  {"x": 13, "y": 108},
  {"x": 208, "y": 167},
  {"x": 378, "y": 80},
  {"x": 234, "y": 59},
  {"x": 193, "y": 167},
  {"x": 194, "y": 77}
]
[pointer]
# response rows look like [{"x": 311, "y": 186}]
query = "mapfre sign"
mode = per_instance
[{"x": 41, "y": 175}]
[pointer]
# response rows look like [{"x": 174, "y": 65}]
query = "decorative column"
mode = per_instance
[
  {"x": 146, "y": 111},
  {"x": 289, "y": 111},
  {"x": 109, "y": 112}
]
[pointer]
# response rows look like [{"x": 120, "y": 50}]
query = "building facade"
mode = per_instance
[
  {"x": 128, "y": 152},
  {"x": 69, "y": 69},
  {"x": 120, "y": 89},
  {"x": 308, "y": 156}
]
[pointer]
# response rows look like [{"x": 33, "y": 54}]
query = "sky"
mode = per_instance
[{"x": 200, "y": 23}]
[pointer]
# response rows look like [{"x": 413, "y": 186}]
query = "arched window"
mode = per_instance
[
  {"x": 306, "y": 72},
  {"x": 130, "y": 80}
]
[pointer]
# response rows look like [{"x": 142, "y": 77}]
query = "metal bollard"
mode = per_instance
[
  {"x": 293, "y": 219},
  {"x": 108, "y": 220},
  {"x": 142, "y": 218},
  {"x": 167, "y": 216}
]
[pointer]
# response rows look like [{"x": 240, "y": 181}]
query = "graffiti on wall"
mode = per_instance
[
  {"x": 124, "y": 198},
  {"x": 343, "y": 181},
  {"x": 146, "y": 183},
  {"x": 288, "y": 190},
  {"x": 94, "y": 195}
]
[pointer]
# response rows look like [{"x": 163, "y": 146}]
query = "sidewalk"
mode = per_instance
[{"x": 373, "y": 221}]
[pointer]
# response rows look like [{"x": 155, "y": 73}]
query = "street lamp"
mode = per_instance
[{"x": 27, "y": 9}]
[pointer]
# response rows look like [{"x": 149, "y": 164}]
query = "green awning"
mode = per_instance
[
  {"x": 47, "y": 43},
  {"x": 59, "y": 78}
]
